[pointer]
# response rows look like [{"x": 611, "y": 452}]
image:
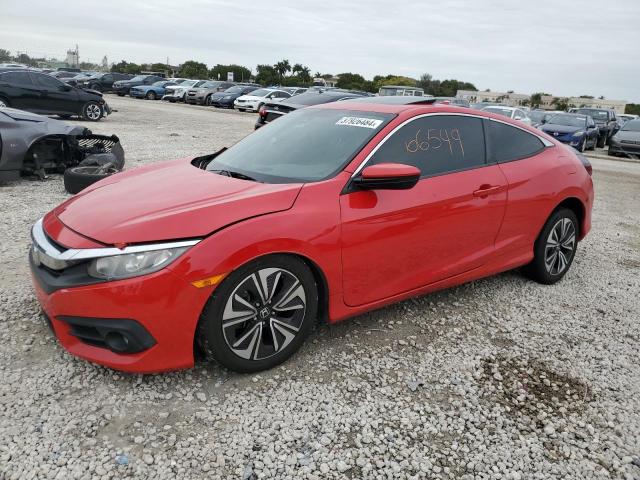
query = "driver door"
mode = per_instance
[
  {"x": 395, "y": 241},
  {"x": 56, "y": 96}
]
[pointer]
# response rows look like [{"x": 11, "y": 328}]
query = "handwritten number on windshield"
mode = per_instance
[{"x": 436, "y": 139}]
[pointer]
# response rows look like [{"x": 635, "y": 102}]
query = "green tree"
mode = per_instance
[
  {"x": 26, "y": 60},
  {"x": 561, "y": 103},
  {"x": 193, "y": 69},
  {"x": 282, "y": 67},
  {"x": 350, "y": 81},
  {"x": 157, "y": 67},
  {"x": 632, "y": 108},
  {"x": 5, "y": 55},
  {"x": 536, "y": 99},
  {"x": 240, "y": 73},
  {"x": 302, "y": 72},
  {"x": 125, "y": 67},
  {"x": 267, "y": 75},
  {"x": 444, "y": 88}
]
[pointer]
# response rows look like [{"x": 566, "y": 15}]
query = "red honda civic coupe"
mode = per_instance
[{"x": 328, "y": 212}]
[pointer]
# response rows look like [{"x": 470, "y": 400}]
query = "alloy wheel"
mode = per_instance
[
  {"x": 264, "y": 313},
  {"x": 560, "y": 246},
  {"x": 93, "y": 111}
]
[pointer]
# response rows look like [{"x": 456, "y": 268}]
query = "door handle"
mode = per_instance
[{"x": 486, "y": 190}]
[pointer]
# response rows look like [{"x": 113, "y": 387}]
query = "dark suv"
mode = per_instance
[
  {"x": 606, "y": 121},
  {"x": 40, "y": 93},
  {"x": 103, "y": 82},
  {"x": 122, "y": 87}
]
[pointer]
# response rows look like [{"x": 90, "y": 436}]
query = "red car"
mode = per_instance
[{"x": 327, "y": 213}]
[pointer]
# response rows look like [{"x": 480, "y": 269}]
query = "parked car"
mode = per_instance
[
  {"x": 258, "y": 98},
  {"x": 78, "y": 77},
  {"x": 577, "y": 130},
  {"x": 201, "y": 95},
  {"x": 482, "y": 105},
  {"x": 155, "y": 91},
  {"x": 294, "y": 90},
  {"x": 178, "y": 93},
  {"x": 330, "y": 212},
  {"x": 627, "y": 140},
  {"x": 510, "y": 112},
  {"x": 606, "y": 122},
  {"x": 458, "y": 102},
  {"x": 273, "y": 110},
  {"x": 41, "y": 93},
  {"x": 225, "y": 99},
  {"x": 400, "y": 91},
  {"x": 13, "y": 66},
  {"x": 122, "y": 87},
  {"x": 102, "y": 82},
  {"x": 540, "y": 117},
  {"x": 625, "y": 117},
  {"x": 63, "y": 74}
]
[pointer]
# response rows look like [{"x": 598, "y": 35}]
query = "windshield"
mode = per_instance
[
  {"x": 537, "y": 116},
  {"x": 261, "y": 92},
  {"x": 234, "y": 89},
  {"x": 631, "y": 126},
  {"x": 501, "y": 111},
  {"x": 597, "y": 115},
  {"x": 568, "y": 120},
  {"x": 139, "y": 78},
  {"x": 188, "y": 83},
  {"x": 210, "y": 85},
  {"x": 161, "y": 83},
  {"x": 304, "y": 146}
]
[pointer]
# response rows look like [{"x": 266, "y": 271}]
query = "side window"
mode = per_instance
[
  {"x": 506, "y": 143},
  {"x": 108, "y": 78},
  {"x": 17, "y": 78},
  {"x": 436, "y": 144},
  {"x": 519, "y": 115},
  {"x": 47, "y": 81}
]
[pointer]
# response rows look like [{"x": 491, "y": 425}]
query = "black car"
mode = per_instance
[
  {"x": 605, "y": 119},
  {"x": 102, "y": 82},
  {"x": 627, "y": 141},
  {"x": 225, "y": 99},
  {"x": 272, "y": 111},
  {"x": 41, "y": 93},
  {"x": 122, "y": 87}
]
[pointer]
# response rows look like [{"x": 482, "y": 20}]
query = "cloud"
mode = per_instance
[{"x": 555, "y": 46}]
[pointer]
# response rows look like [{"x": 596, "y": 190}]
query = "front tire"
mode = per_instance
[
  {"x": 555, "y": 248},
  {"x": 260, "y": 314},
  {"x": 583, "y": 145},
  {"x": 91, "y": 111},
  {"x": 151, "y": 95}
]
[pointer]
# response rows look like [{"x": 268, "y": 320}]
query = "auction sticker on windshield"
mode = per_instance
[{"x": 359, "y": 122}]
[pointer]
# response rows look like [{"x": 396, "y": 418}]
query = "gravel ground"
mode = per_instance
[{"x": 500, "y": 378}]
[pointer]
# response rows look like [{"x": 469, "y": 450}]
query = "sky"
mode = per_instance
[{"x": 565, "y": 48}]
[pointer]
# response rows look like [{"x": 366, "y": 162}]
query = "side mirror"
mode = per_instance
[{"x": 388, "y": 176}]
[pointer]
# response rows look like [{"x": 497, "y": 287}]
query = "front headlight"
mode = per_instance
[
  {"x": 133, "y": 264},
  {"x": 579, "y": 133}
]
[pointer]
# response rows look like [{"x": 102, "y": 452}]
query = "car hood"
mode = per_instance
[
  {"x": 550, "y": 128},
  {"x": 45, "y": 125},
  {"x": 168, "y": 201},
  {"x": 627, "y": 135}
]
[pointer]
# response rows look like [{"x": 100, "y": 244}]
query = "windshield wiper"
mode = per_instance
[{"x": 232, "y": 174}]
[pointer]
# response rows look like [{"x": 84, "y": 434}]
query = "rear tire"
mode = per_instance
[
  {"x": 555, "y": 248},
  {"x": 151, "y": 95},
  {"x": 268, "y": 308},
  {"x": 96, "y": 86}
]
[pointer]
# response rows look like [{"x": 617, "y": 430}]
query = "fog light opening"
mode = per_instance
[{"x": 116, "y": 342}]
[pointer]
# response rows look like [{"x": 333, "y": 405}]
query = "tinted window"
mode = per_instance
[
  {"x": 506, "y": 143},
  {"x": 16, "y": 78},
  {"x": 436, "y": 144},
  {"x": 108, "y": 78},
  {"x": 305, "y": 145},
  {"x": 47, "y": 82}
]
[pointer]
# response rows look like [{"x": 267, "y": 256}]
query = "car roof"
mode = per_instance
[{"x": 371, "y": 104}]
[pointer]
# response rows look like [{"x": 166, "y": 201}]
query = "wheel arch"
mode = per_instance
[{"x": 576, "y": 206}]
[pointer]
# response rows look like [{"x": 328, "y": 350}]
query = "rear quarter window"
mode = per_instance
[{"x": 506, "y": 143}]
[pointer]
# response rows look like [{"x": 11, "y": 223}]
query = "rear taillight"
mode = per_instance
[
  {"x": 262, "y": 112},
  {"x": 586, "y": 163}
]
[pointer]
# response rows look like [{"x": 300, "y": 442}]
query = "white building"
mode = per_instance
[{"x": 519, "y": 99}]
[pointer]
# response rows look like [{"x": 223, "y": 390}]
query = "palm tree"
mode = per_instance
[{"x": 282, "y": 67}]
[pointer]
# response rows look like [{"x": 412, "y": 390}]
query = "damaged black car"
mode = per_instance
[{"x": 33, "y": 145}]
